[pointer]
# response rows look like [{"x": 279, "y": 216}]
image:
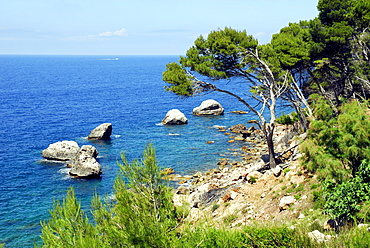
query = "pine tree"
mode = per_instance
[{"x": 68, "y": 226}]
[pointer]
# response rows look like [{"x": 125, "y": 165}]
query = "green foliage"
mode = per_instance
[
  {"x": 143, "y": 213},
  {"x": 353, "y": 238},
  {"x": 292, "y": 45},
  {"x": 203, "y": 236},
  {"x": 222, "y": 55},
  {"x": 215, "y": 207},
  {"x": 287, "y": 119},
  {"x": 252, "y": 180},
  {"x": 179, "y": 82},
  {"x": 346, "y": 199},
  {"x": 68, "y": 226},
  {"x": 318, "y": 199},
  {"x": 337, "y": 145},
  {"x": 230, "y": 218},
  {"x": 338, "y": 148},
  {"x": 340, "y": 38}
]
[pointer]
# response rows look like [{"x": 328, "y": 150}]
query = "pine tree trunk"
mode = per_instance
[{"x": 268, "y": 130}]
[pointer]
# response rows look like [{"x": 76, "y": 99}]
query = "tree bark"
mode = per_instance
[{"x": 268, "y": 130}]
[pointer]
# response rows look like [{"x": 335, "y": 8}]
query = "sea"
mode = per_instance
[{"x": 46, "y": 99}]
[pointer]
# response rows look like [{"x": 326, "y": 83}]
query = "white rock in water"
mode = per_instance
[
  {"x": 209, "y": 107},
  {"x": 174, "y": 117},
  {"x": 84, "y": 165},
  {"x": 61, "y": 150}
]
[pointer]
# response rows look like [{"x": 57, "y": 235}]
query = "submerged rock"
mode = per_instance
[
  {"x": 209, "y": 107},
  {"x": 84, "y": 164},
  {"x": 174, "y": 117},
  {"x": 61, "y": 150},
  {"x": 101, "y": 132}
]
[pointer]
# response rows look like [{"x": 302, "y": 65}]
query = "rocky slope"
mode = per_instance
[{"x": 237, "y": 193}]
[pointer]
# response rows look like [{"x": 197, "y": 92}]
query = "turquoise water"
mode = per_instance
[{"x": 45, "y": 99}]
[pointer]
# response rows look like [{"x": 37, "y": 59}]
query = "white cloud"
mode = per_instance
[{"x": 119, "y": 33}]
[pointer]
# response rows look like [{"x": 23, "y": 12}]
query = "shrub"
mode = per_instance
[
  {"x": 336, "y": 146},
  {"x": 346, "y": 199},
  {"x": 287, "y": 119},
  {"x": 68, "y": 226}
]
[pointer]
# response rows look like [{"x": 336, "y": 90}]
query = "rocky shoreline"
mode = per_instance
[{"x": 240, "y": 187}]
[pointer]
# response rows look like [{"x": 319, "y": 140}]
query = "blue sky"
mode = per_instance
[{"x": 136, "y": 27}]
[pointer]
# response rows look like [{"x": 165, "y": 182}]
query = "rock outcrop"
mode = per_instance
[
  {"x": 247, "y": 187},
  {"x": 238, "y": 128},
  {"x": 84, "y": 164},
  {"x": 286, "y": 201},
  {"x": 101, "y": 132},
  {"x": 61, "y": 150},
  {"x": 209, "y": 107},
  {"x": 174, "y": 117}
]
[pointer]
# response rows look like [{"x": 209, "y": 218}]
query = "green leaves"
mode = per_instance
[
  {"x": 179, "y": 82},
  {"x": 338, "y": 149},
  {"x": 144, "y": 207},
  {"x": 292, "y": 45},
  {"x": 221, "y": 55},
  {"x": 69, "y": 226}
]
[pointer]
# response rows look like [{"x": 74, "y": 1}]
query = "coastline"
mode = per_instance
[{"x": 246, "y": 189}]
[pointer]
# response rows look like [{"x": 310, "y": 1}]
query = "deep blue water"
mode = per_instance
[{"x": 45, "y": 99}]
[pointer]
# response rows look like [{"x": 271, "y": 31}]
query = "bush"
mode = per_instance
[
  {"x": 287, "y": 119},
  {"x": 337, "y": 145},
  {"x": 347, "y": 199},
  {"x": 69, "y": 226}
]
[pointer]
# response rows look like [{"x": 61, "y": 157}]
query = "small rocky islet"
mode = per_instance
[{"x": 81, "y": 160}]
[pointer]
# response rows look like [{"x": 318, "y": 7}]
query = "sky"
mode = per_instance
[{"x": 136, "y": 27}]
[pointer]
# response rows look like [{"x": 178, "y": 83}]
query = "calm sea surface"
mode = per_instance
[{"x": 45, "y": 99}]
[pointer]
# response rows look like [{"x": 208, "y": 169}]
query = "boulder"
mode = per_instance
[
  {"x": 84, "y": 164},
  {"x": 101, "y": 132},
  {"x": 238, "y": 128},
  {"x": 319, "y": 237},
  {"x": 277, "y": 171},
  {"x": 167, "y": 171},
  {"x": 61, "y": 150},
  {"x": 286, "y": 201},
  {"x": 182, "y": 190},
  {"x": 174, "y": 117},
  {"x": 209, "y": 107}
]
